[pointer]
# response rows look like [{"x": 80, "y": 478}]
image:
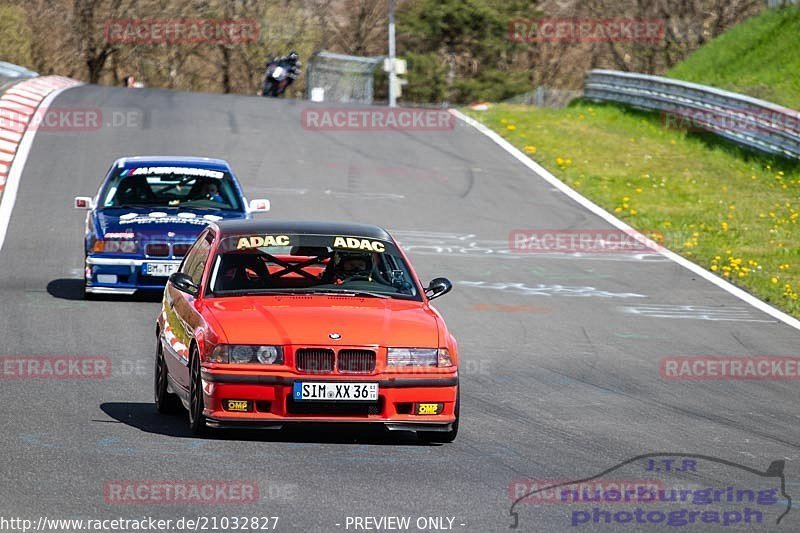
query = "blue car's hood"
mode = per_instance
[{"x": 158, "y": 223}]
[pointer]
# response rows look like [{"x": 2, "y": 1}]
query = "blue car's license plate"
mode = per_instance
[{"x": 160, "y": 270}]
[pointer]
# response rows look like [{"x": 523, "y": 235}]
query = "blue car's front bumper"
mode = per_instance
[{"x": 113, "y": 275}]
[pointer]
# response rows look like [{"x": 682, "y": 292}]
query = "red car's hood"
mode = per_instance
[{"x": 310, "y": 320}]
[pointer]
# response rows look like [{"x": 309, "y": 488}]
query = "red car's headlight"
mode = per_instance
[
  {"x": 419, "y": 357},
  {"x": 247, "y": 353}
]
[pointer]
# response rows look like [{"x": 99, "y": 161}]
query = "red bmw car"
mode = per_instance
[{"x": 269, "y": 322}]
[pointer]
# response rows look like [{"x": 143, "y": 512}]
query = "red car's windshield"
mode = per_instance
[{"x": 256, "y": 264}]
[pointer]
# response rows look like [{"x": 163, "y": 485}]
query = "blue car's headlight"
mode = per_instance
[{"x": 111, "y": 246}]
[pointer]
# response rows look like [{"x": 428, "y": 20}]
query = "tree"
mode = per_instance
[{"x": 15, "y": 36}]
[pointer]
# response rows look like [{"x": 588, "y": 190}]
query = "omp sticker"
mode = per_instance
[
  {"x": 352, "y": 243},
  {"x": 157, "y": 214},
  {"x": 212, "y": 218},
  {"x": 257, "y": 241},
  {"x": 119, "y": 235},
  {"x": 202, "y": 172},
  {"x": 238, "y": 405},
  {"x": 128, "y": 216},
  {"x": 187, "y": 215}
]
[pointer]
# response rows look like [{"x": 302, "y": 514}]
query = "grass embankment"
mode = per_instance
[
  {"x": 729, "y": 211},
  {"x": 758, "y": 57}
]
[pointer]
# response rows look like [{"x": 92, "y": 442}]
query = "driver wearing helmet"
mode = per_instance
[{"x": 353, "y": 266}]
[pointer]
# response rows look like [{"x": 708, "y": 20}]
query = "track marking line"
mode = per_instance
[{"x": 543, "y": 173}]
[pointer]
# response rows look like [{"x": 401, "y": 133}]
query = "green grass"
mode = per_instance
[
  {"x": 759, "y": 57},
  {"x": 730, "y": 211}
]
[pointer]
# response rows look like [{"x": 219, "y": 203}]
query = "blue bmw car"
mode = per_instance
[{"x": 147, "y": 214}]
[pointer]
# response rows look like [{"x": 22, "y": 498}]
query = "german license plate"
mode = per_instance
[
  {"x": 161, "y": 270},
  {"x": 335, "y": 392}
]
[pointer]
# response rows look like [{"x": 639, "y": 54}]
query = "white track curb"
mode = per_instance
[{"x": 18, "y": 105}]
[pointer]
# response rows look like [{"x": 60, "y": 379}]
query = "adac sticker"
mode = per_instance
[
  {"x": 257, "y": 241},
  {"x": 352, "y": 243}
]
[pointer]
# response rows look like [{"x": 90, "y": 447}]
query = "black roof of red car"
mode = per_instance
[{"x": 229, "y": 228}]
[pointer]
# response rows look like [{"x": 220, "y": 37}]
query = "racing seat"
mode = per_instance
[
  {"x": 242, "y": 272},
  {"x": 133, "y": 190}
]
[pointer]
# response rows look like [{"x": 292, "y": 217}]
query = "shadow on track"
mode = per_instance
[
  {"x": 144, "y": 417},
  {"x": 72, "y": 289}
]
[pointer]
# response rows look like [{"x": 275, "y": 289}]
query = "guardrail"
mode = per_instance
[{"x": 744, "y": 120}]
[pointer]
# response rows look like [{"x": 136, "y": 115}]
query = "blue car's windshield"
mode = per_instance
[{"x": 171, "y": 187}]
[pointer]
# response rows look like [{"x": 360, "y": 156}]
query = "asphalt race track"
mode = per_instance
[{"x": 560, "y": 354}]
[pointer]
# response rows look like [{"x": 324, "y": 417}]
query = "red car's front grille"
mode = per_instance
[
  {"x": 362, "y": 361},
  {"x": 314, "y": 360}
]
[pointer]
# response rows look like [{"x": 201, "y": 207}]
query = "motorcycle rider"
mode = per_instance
[{"x": 291, "y": 64}]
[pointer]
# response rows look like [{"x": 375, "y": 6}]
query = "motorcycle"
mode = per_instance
[{"x": 278, "y": 78}]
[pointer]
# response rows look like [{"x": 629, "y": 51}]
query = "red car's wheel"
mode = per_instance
[
  {"x": 166, "y": 402},
  {"x": 197, "y": 421}
]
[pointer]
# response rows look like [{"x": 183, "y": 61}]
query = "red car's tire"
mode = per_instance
[
  {"x": 166, "y": 402},
  {"x": 197, "y": 421}
]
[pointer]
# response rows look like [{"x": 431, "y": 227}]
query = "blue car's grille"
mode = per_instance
[
  {"x": 179, "y": 250},
  {"x": 158, "y": 249},
  {"x": 163, "y": 249}
]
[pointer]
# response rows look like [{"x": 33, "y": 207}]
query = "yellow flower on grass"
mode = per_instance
[
  {"x": 774, "y": 280},
  {"x": 530, "y": 149},
  {"x": 511, "y": 127}
]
